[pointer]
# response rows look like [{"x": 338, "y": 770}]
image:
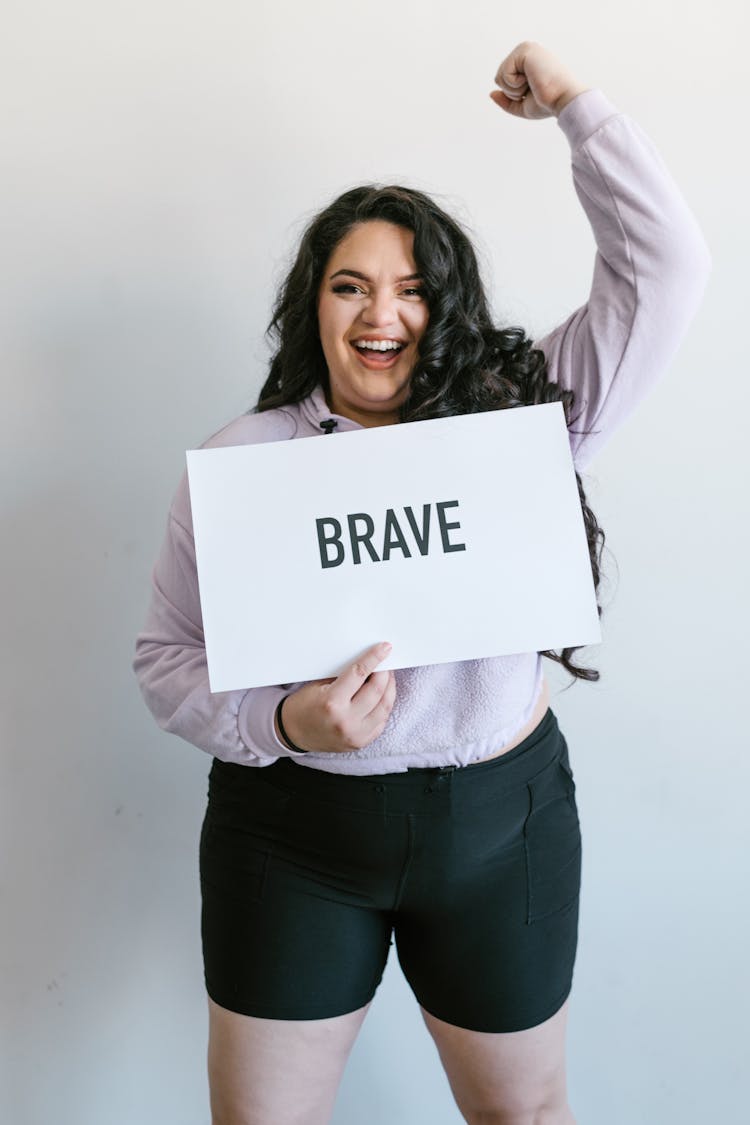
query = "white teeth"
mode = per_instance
[{"x": 378, "y": 345}]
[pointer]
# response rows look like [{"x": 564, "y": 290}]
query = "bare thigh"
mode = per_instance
[
  {"x": 516, "y": 1076},
  {"x": 276, "y": 1072}
]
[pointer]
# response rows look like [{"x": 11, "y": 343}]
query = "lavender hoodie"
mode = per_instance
[{"x": 650, "y": 271}]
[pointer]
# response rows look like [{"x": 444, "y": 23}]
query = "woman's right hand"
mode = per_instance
[{"x": 348, "y": 713}]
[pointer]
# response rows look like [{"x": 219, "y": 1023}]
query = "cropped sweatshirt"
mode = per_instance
[{"x": 650, "y": 271}]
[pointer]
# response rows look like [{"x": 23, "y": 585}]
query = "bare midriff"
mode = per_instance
[{"x": 540, "y": 711}]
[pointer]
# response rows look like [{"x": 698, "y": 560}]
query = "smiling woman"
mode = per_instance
[
  {"x": 435, "y": 804},
  {"x": 370, "y": 327}
]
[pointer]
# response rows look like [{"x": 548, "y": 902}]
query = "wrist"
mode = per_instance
[
  {"x": 566, "y": 97},
  {"x": 281, "y": 732}
]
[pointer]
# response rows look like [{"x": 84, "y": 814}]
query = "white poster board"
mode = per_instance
[{"x": 452, "y": 539}]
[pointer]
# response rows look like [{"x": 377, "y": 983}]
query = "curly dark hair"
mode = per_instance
[{"x": 465, "y": 365}]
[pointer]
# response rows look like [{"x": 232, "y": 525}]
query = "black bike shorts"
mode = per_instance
[{"x": 475, "y": 871}]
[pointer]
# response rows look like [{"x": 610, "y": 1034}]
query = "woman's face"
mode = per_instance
[{"x": 371, "y": 292}]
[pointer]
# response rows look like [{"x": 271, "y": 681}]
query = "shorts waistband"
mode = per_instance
[{"x": 475, "y": 783}]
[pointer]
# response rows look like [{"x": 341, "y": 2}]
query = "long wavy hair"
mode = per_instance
[{"x": 465, "y": 365}]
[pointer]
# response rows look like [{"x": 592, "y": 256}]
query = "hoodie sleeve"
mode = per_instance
[
  {"x": 650, "y": 273},
  {"x": 171, "y": 669}
]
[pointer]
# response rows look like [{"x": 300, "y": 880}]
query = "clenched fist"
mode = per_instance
[{"x": 533, "y": 83}]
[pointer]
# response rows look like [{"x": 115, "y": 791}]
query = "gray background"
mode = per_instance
[{"x": 157, "y": 164}]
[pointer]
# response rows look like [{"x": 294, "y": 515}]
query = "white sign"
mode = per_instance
[{"x": 452, "y": 539}]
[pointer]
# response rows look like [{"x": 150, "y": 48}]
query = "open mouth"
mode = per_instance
[{"x": 377, "y": 354}]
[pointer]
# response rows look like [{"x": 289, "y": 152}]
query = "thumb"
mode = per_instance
[
  {"x": 514, "y": 105},
  {"x": 514, "y": 78}
]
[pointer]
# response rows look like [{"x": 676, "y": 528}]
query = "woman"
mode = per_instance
[{"x": 435, "y": 805}]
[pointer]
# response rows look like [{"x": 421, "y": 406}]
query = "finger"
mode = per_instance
[
  {"x": 515, "y": 90},
  {"x": 351, "y": 679},
  {"x": 511, "y": 71},
  {"x": 379, "y": 715},
  {"x": 370, "y": 694}
]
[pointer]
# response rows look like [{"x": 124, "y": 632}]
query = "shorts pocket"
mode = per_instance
[{"x": 552, "y": 842}]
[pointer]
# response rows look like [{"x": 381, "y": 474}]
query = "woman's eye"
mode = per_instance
[{"x": 348, "y": 287}]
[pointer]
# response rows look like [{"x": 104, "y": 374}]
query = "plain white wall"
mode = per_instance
[{"x": 157, "y": 163}]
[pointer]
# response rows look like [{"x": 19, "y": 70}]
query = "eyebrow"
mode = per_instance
[{"x": 363, "y": 277}]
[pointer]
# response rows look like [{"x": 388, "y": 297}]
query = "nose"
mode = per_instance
[{"x": 380, "y": 310}]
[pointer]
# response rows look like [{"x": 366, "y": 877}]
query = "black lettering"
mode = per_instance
[
  {"x": 365, "y": 537},
  {"x": 393, "y": 536},
  {"x": 422, "y": 539},
  {"x": 324, "y": 541},
  {"x": 446, "y": 527}
]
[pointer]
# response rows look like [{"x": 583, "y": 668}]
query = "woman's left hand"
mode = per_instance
[{"x": 534, "y": 83}]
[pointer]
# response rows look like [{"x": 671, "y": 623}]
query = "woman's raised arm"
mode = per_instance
[{"x": 652, "y": 262}]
